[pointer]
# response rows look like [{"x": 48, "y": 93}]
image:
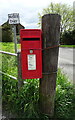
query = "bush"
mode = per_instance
[
  {"x": 7, "y": 33},
  {"x": 68, "y": 38}
]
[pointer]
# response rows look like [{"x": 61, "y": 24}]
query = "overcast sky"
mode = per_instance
[{"x": 27, "y": 9}]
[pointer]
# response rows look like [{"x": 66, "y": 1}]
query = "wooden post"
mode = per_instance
[
  {"x": 20, "y": 81},
  {"x": 15, "y": 41},
  {"x": 51, "y": 36}
]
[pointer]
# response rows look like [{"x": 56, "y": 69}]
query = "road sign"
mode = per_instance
[{"x": 13, "y": 18}]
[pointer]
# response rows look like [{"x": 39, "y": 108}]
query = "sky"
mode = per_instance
[{"x": 28, "y": 10}]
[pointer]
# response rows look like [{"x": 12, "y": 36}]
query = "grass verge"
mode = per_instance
[
  {"x": 25, "y": 102},
  {"x": 69, "y": 46},
  {"x": 8, "y": 47}
]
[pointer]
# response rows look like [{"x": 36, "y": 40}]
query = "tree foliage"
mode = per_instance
[
  {"x": 6, "y": 33},
  {"x": 68, "y": 37},
  {"x": 64, "y": 10}
]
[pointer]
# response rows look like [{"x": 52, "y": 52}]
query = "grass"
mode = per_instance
[
  {"x": 8, "y": 47},
  {"x": 65, "y": 97},
  {"x": 69, "y": 46},
  {"x": 25, "y": 102}
]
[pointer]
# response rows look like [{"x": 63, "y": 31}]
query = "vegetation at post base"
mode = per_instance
[
  {"x": 25, "y": 102},
  {"x": 65, "y": 97},
  {"x": 67, "y": 24}
]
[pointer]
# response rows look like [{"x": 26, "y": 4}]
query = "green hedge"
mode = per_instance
[
  {"x": 7, "y": 33},
  {"x": 68, "y": 38}
]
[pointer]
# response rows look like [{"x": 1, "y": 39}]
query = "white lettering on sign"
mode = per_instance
[
  {"x": 13, "y": 18},
  {"x": 32, "y": 62}
]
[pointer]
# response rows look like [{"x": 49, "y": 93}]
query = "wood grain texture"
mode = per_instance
[
  {"x": 51, "y": 37},
  {"x": 20, "y": 80}
]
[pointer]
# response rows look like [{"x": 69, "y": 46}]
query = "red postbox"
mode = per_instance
[{"x": 31, "y": 53}]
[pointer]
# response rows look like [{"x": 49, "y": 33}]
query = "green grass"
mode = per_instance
[
  {"x": 65, "y": 97},
  {"x": 8, "y": 47},
  {"x": 70, "y": 46},
  {"x": 25, "y": 102}
]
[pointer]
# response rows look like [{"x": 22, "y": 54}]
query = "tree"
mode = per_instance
[
  {"x": 68, "y": 37},
  {"x": 66, "y": 13},
  {"x": 6, "y": 33}
]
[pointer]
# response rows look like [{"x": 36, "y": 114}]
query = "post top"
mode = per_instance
[{"x": 51, "y": 15}]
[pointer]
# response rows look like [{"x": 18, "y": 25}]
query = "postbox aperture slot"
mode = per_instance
[{"x": 30, "y": 39}]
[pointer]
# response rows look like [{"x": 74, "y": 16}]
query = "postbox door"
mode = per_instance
[
  {"x": 31, "y": 64},
  {"x": 31, "y": 39}
]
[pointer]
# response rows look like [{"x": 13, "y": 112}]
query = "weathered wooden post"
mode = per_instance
[
  {"x": 20, "y": 81},
  {"x": 51, "y": 36}
]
